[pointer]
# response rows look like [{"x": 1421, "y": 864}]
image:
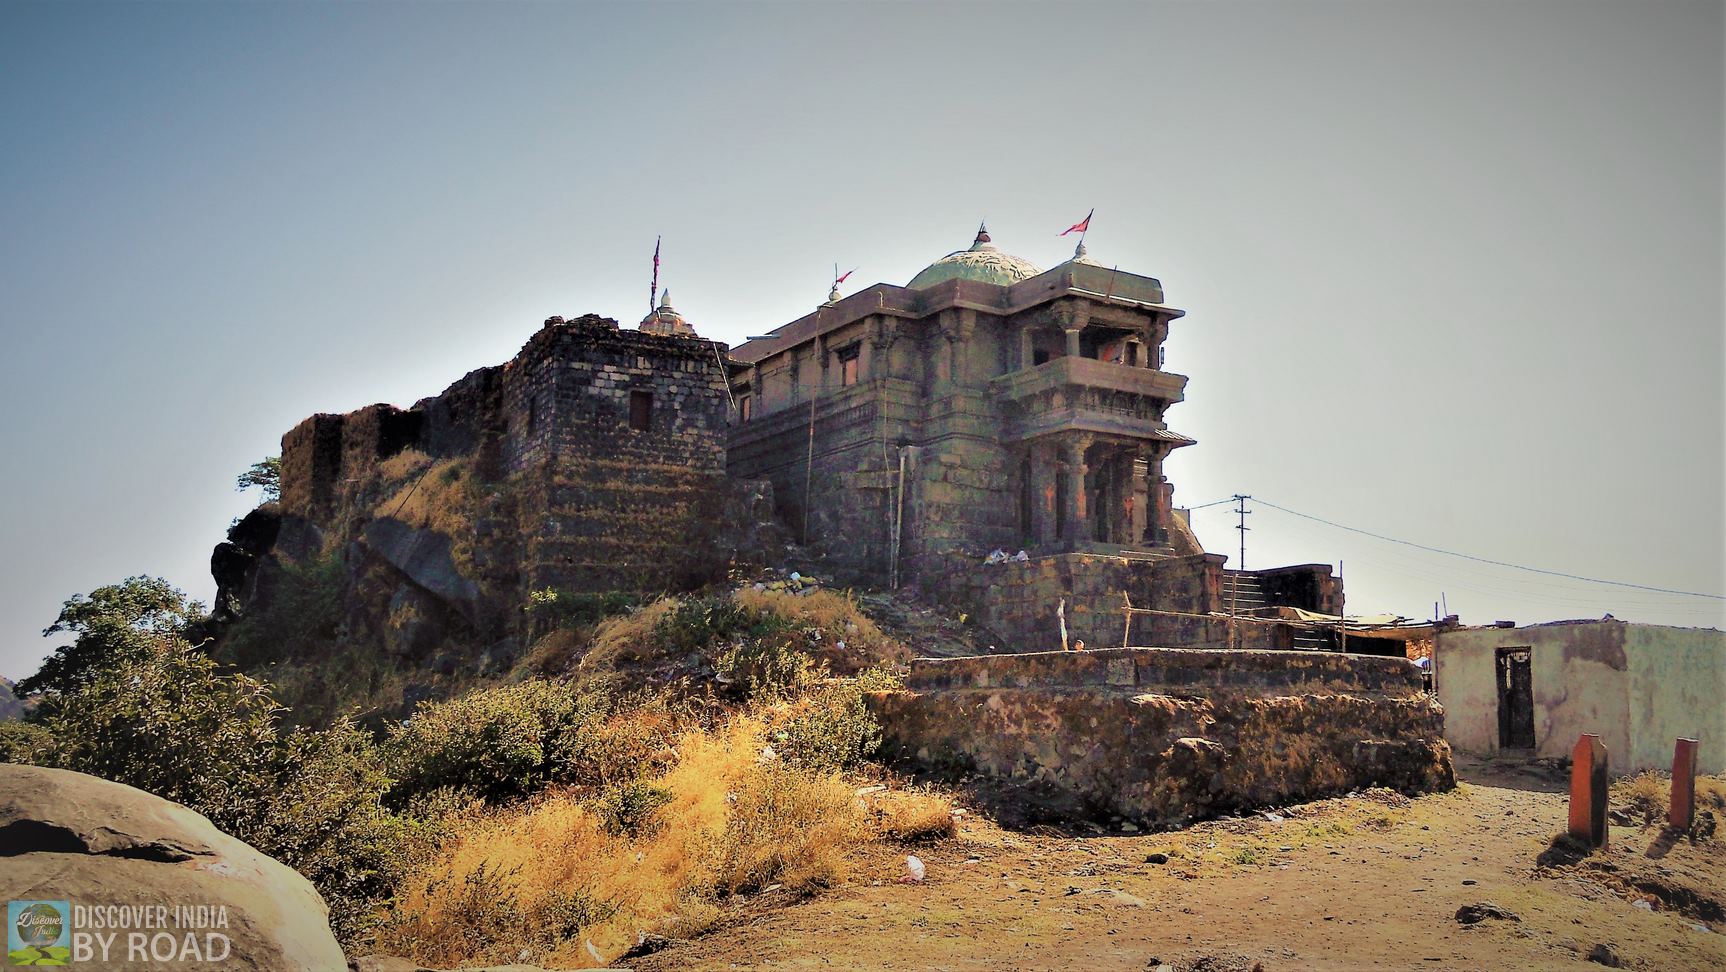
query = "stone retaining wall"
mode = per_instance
[{"x": 1164, "y": 736}]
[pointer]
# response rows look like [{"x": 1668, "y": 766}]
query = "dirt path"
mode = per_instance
[{"x": 1372, "y": 882}]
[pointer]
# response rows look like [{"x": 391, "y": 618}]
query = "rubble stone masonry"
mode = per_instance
[{"x": 1163, "y": 736}]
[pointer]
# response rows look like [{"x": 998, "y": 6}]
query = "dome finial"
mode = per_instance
[
  {"x": 665, "y": 298},
  {"x": 833, "y": 295},
  {"x": 1079, "y": 251},
  {"x": 982, "y": 239}
]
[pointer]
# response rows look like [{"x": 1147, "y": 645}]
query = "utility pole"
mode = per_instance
[{"x": 1240, "y": 565}]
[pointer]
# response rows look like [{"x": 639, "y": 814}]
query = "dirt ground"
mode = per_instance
[{"x": 1373, "y": 881}]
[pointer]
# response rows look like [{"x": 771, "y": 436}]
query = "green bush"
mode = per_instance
[
  {"x": 698, "y": 623},
  {"x": 22, "y": 742},
  {"x": 630, "y": 809},
  {"x": 770, "y": 667},
  {"x": 498, "y": 743},
  {"x": 173, "y": 724},
  {"x": 829, "y": 730},
  {"x": 300, "y": 620},
  {"x": 562, "y": 609}
]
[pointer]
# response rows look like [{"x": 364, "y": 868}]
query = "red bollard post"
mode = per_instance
[
  {"x": 1683, "y": 809},
  {"x": 1588, "y": 790}
]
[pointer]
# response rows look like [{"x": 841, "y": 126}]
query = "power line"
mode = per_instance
[
  {"x": 1225, "y": 499},
  {"x": 1484, "y": 560}
]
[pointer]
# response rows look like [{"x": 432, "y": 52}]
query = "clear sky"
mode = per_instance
[{"x": 1453, "y": 271}]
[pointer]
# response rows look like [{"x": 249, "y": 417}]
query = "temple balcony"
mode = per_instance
[{"x": 1087, "y": 395}]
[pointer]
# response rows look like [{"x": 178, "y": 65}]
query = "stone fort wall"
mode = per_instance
[{"x": 593, "y": 461}]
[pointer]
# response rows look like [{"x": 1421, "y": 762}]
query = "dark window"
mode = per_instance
[
  {"x": 848, "y": 366},
  {"x": 1039, "y": 357},
  {"x": 641, "y": 411}
]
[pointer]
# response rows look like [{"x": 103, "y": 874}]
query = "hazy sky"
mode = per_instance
[{"x": 1453, "y": 272}]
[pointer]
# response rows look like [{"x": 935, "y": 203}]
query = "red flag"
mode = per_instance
[
  {"x": 1080, "y": 227},
  {"x": 653, "y": 295},
  {"x": 847, "y": 274}
]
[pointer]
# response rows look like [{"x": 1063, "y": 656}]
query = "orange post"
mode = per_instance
[
  {"x": 1588, "y": 790},
  {"x": 1683, "y": 809}
]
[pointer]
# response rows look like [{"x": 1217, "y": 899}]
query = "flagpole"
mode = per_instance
[{"x": 1087, "y": 228}]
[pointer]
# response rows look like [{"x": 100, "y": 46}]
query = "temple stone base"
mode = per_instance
[{"x": 1165, "y": 736}]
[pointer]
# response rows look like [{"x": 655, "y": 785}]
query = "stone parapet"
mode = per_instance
[{"x": 1174, "y": 671}]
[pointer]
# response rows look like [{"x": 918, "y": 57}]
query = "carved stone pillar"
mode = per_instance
[
  {"x": 1073, "y": 340},
  {"x": 1075, "y": 514},
  {"x": 1027, "y": 347}
]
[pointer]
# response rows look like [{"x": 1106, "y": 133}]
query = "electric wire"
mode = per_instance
[{"x": 1484, "y": 560}]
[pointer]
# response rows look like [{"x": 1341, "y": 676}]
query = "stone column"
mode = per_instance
[
  {"x": 959, "y": 345},
  {"x": 1073, "y": 340},
  {"x": 1126, "y": 506},
  {"x": 1043, "y": 472},
  {"x": 1027, "y": 347},
  {"x": 1157, "y": 514},
  {"x": 1073, "y": 518}
]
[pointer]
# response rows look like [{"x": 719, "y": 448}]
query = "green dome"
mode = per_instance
[{"x": 981, "y": 262}]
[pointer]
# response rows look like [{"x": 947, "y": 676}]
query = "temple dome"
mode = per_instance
[
  {"x": 981, "y": 262},
  {"x": 666, "y": 320}
]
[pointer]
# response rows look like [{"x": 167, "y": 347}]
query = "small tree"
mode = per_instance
[
  {"x": 114, "y": 626},
  {"x": 266, "y": 475}
]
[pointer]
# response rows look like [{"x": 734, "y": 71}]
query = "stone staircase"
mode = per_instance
[
  {"x": 1252, "y": 597},
  {"x": 1241, "y": 592}
]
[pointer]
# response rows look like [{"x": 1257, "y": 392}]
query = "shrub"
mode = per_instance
[
  {"x": 566, "y": 610},
  {"x": 509, "y": 741},
  {"x": 630, "y": 809},
  {"x": 788, "y": 826},
  {"x": 22, "y": 742},
  {"x": 828, "y": 730},
  {"x": 174, "y": 725},
  {"x": 301, "y": 619},
  {"x": 773, "y": 668},
  {"x": 699, "y": 623},
  {"x": 912, "y": 816}
]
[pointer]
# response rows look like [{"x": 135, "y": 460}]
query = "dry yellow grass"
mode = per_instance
[
  {"x": 835, "y": 618},
  {"x": 406, "y": 464},
  {"x": 547, "y": 872},
  {"x": 627, "y": 637},
  {"x": 1645, "y": 795},
  {"x": 432, "y": 497},
  {"x": 911, "y": 815}
]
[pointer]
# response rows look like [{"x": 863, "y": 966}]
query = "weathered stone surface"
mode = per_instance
[
  {"x": 1200, "y": 733},
  {"x": 68, "y": 836},
  {"x": 423, "y": 556}
]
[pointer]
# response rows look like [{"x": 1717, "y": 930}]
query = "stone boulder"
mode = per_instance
[
  {"x": 103, "y": 845},
  {"x": 425, "y": 557}
]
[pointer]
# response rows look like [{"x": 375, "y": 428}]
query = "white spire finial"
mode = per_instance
[{"x": 665, "y": 299}]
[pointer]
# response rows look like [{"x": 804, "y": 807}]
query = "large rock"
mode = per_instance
[
  {"x": 425, "y": 557},
  {"x": 94, "y": 843}
]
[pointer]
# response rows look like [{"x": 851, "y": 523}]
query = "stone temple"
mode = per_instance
[
  {"x": 992, "y": 405},
  {"x": 899, "y": 435}
]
